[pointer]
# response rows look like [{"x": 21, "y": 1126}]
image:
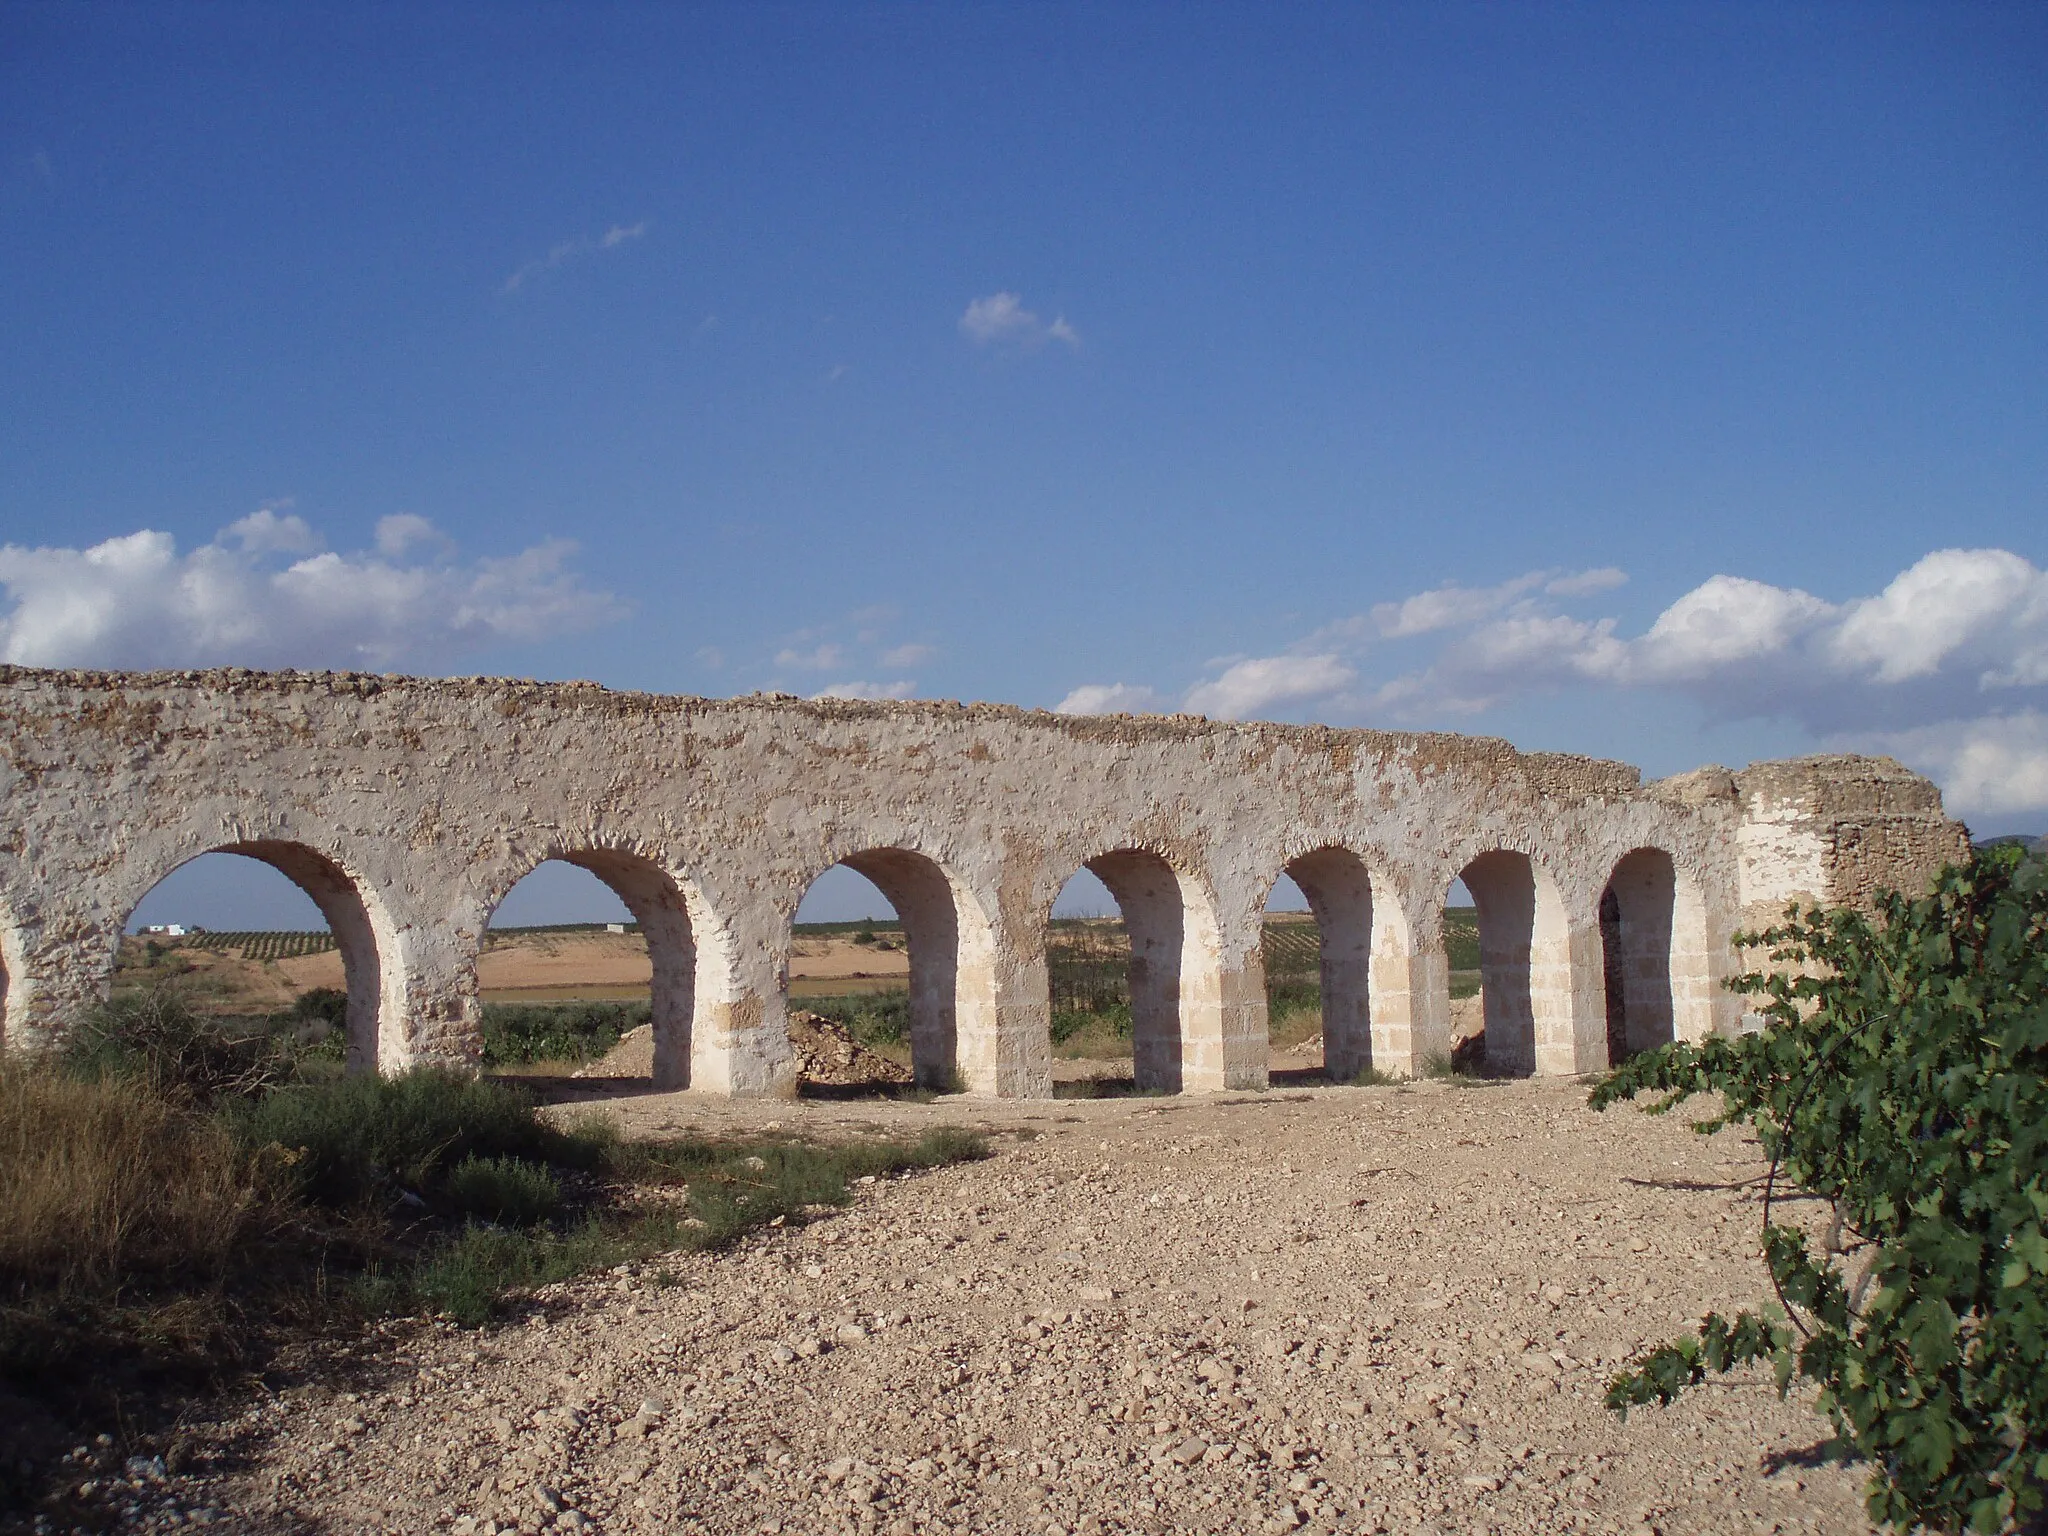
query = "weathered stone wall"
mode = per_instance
[{"x": 408, "y": 808}]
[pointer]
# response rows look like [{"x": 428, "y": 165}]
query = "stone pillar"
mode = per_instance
[
  {"x": 1410, "y": 999},
  {"x": 740, "y": 1036},
  {"x": 1227, "y": 1043},
  {"x": 1004, "y": 1017},
  {"x": 59, "y": 965},
  {"x": 430, "y": 1014},
  {"x": 1568, "y": 998}
]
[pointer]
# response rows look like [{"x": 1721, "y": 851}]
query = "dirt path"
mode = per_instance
[{"x": 1362, "y": 1310}]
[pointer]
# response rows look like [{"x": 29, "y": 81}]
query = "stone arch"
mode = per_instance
[
  {"x": 951, "y": 945},
  {"x": 1364, "y": 952},
  {"x": 662, "y": 905},
  {"x": 1524, "y": 962},
  {"x": 375, "y": 1021},
  {"x": 1655, "y": 954},
  {"x": 1175, "y": 970}
]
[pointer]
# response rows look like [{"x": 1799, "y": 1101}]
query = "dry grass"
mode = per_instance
[{"x": 106, "y": 1183}]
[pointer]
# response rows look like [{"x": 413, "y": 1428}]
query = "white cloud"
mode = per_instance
[
  {"x": 1249, "y": 688},
  {"x": 1001, "y": 318},
  {"x": 135, "y": 601},
  {"x": 1947, "y": 666},
  {"x": 1931, "y": 611},
  {"x": 569, "y": 250},
  {"x": 909, "y": 655},
  {"x": 1996, "y": 765},
  {"x": 1109, "y": 699},
  {"x": 823, "y": 659},
  {"x": 264, "y": 532},
  {"x": 1586, "y": 583},
  {"x": 1451, "y": 605},
  {"x": 1956, "y": 624},
  {"x": 903, "y": 688},
  {"x": 404, "y": 531},
  {"x": 1723, "y": 622},
  {"x": 1447, "y": 606}
]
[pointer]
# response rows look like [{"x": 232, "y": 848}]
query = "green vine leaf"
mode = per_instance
[{"x": 1902, "y": 1076}]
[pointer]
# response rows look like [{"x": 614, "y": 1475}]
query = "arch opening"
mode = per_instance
[
  {"x": 1637, "y": 910},
  {"x": 229, "y": 938},
  {"x": 1319, "y": 967},
  {"x": 588, "y": 945},
  {"x": 1127, "y": 987},
  {"x": 1500, "y": 953},
  {"x": 915, "y": 988}
]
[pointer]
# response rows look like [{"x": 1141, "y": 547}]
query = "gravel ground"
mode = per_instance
[{"x": 1338, "y": 1309}]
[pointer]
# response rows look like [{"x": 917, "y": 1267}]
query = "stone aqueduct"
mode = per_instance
[{"x": 408, "y": 808}]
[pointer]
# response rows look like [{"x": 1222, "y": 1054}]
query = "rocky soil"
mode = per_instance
[{"x": 1371, "y": 1310}]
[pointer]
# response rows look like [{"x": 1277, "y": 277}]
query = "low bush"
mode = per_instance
[
  {"x": 366, "y": 1140},
  {"x": 1904, "y": 1079},
  {"x": 507, "y": 1190},
  {"x": 318, "y": 1025},
  {"x": 518, "y": 1034},
  {"x": 156, "y": 1037},
  {"x": 1113, "y": 1019}
]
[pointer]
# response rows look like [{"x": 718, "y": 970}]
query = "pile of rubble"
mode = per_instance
[{"x": 826, "y": 1053}]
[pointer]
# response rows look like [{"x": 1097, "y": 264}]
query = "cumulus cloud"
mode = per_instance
[
  {"x": 1996, "y": 765},
  {"x": 913, "y": 655},
  {"x": 263, "y": 594},
  {"x": 903, "y": 688},
  {"x": 1947, "y": 666},
  {"x": 1248, "y": 689},
  {"x": 1002, "y": 319},
  {"x": 1451, "y": 605},
  {"x": 568, "y": 250},
  {"x": 1109, "y": 699},
  {"x": 1957, "y": 625}
]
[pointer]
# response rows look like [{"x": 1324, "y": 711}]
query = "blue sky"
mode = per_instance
[{"x": 1403, "y": 365}]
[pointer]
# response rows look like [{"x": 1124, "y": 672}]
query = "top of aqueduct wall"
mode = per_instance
[{"x": 1829, "y": 784}]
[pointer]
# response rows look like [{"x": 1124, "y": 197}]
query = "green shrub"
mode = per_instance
[
  {"x": 157, "y": 1038},
  {"x": 516, "y": 1034},
  {"x": 1904, "y": 1078},
  {"x": 1069, "y": 1022},
  {"x": 369, "y": 1138},
  {"x": 467, "y": 1279},
  {"x": 507, "y": 1190},
  {"x": 317, "y": 1023},
  {"x": 1292, "y": 995}
]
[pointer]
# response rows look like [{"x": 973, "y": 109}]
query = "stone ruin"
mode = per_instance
[{"x": 407, "y": 808}]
